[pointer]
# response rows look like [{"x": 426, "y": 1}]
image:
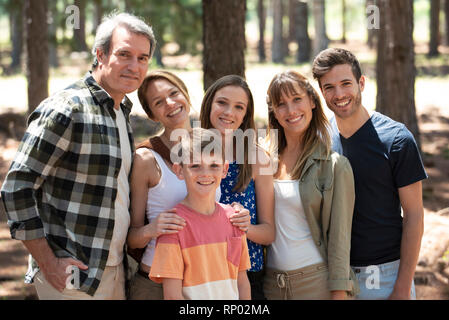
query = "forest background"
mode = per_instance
[{"x": 403, "y": 47}]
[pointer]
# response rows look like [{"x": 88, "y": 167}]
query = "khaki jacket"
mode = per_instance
[{"x": 326, "y": 187}]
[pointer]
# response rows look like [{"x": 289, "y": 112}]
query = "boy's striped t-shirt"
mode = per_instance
[{"x": 206, "y": 255}]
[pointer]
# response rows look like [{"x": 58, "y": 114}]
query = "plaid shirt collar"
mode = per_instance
[{"x": 103, "y": 98}]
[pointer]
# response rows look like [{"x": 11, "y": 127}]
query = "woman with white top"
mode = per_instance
[
  {"x": 155, "y": 189},
  {"x": 314, "y": 199}
]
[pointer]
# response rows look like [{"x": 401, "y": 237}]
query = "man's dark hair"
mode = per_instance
[{"x": 331, "y": 57}]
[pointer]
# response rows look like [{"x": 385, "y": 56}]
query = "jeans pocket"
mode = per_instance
[{"x": 234, "y": 250}]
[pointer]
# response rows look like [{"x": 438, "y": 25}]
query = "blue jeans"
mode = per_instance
[{"x": 377, "y": 281}]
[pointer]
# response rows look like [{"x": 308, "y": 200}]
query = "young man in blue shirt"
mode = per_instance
[{"x": 387, "y": 170}]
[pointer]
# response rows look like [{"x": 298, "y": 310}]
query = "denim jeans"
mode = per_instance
[{"x": 377, "y": 281}]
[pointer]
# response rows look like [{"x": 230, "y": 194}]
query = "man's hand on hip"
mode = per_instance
[{"x": 57, "y": 270}]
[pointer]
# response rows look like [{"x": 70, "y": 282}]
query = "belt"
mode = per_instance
[{"x": 283, "y": 277}]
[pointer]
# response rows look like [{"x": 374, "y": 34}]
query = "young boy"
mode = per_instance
[{"x": 207, "y": 259}]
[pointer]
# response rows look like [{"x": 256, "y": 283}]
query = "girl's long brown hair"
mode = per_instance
[
  {"x": 316, "y": 134},
  {"x": 245, "y": 174}
]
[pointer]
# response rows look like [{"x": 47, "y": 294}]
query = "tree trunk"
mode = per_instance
[
  {"x": 446, "y": 19},
  {"x": 292, "y": 4},
  {"x": 395, "y": 65},
  {"x": 285, "y": 32},
  {"x": 262, "y": 15},
  {"x": 302, "y": 35},
  {"x": 79, "y": 34},
  {"x": 159, "y": 44},
  {"x": 277, "y": 51},
  {"x": 321, "y": 40},
  {"x": 372, "y": 32},
  {"x": 434, "y": 28},
  {"x": 16, "y": 23},
  {"x": 223, "y": 39},
  {"x": 37, "y": 51},
  {"x": 52, "y": 40},
  {"x": 343, "y": 21},
  {"x": 128, "y": 5},
  {"x": 98, "y": 15}
]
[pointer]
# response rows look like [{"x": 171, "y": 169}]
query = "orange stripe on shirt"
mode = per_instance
[
  {"x": 201, "y": 267},
  {"x": 167, "y": 262}
]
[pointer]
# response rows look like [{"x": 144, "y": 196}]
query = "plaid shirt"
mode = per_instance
[{"x": 62, "y": 183}]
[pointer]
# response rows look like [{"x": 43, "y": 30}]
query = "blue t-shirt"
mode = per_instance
[
  {"x": 247, "y": 199},
  {"x": 384, "y": 157}
]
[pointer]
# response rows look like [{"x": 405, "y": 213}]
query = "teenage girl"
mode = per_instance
[{"x": 227, "y": 106}]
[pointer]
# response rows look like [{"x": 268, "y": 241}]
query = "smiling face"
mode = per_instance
[
  {"x": 342, "y": 92},
  {"x": 123, "y": 69},
  {"x": 229, "y": 107},
  {"x": 294, "y": 111},
  {"x": 202, "y": 179},
  {"x": 168, "y": 104}
]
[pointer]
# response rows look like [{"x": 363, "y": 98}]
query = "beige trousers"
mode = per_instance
[
  {"x": 112, "y": 287},
  {"x": 308, "y": 283}
]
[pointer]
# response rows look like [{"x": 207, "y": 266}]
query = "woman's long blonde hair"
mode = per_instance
[{"x": 316, "y": 135}]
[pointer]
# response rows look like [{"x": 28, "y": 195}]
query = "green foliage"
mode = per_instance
[
  {"x": 173, "y": 20},
  {"x": 187, "y": 25}
]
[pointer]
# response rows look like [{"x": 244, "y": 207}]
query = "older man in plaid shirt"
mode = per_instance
[{"x": 67, "y": 192}]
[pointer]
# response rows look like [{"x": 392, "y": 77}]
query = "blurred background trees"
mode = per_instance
[{"x": 220, "y": 37}]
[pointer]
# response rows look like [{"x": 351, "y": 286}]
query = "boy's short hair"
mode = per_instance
[
  {"x": 201, "y": 141},
  {"x": 331, "y": 57}
]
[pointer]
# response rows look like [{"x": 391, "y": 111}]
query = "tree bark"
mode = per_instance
[
  {"x": 223, "y": 39},
  {"x": 343, "y": 21},
  {"x": 302, "y": 34},
  {"x": 321, "y": 40},
  {"x": 277, "y": 51},
  {"x": 395, "y": 65},
  {"x": 434, "y": 28},
  {"x": 37, "y": 51},
  {"x": 372, "y": 32},
  {"x": 79, "y": 34},
  {"x": 292, "y": 4},
  {"x": 262, "y": 15},
  {"x": 52, "y": 40},
  {"x": 16, "y": 23},
  {"x": 446, "y": 20},
  {"x": 98, "y": 15}
]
